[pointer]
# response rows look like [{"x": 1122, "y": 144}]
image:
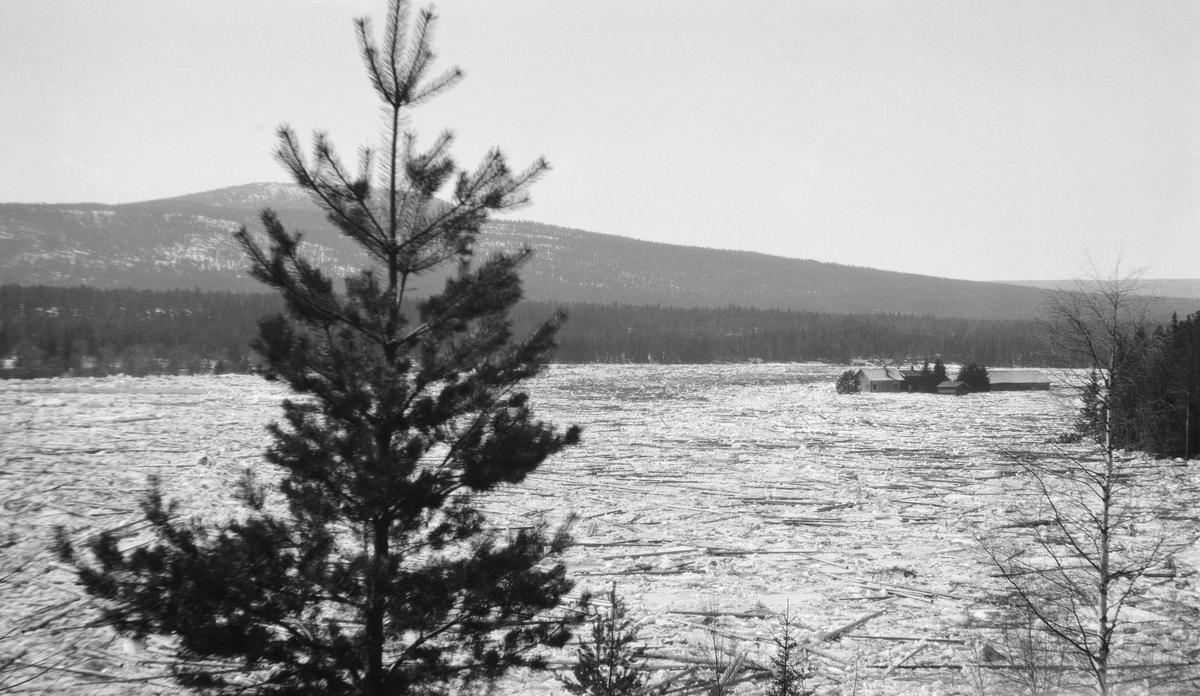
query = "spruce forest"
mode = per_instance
[{"x": 85, "y": 331}]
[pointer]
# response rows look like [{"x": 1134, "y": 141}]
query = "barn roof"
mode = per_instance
[
  {"x": 1017, "y": 376},
  {"x": 949, "y": 384},
  {"x": 882, "y": 374}
]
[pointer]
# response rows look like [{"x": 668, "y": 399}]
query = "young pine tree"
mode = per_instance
[
  {"x": 380, "y": 575},
  {"x": 609, "y": 664},
  {"x": 789, "y": 663}
]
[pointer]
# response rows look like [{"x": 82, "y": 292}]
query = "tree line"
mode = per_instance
[
  {"x": 1142, "y": 392},
  {"x": 1162, "y": 415},
  {"x": 628, "y": 333},
  {"x": 84, "y": 331},
  {"x": 87, "y": 331}
]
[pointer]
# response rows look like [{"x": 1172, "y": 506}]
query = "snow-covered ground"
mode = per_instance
[{"x": 736, "y": 490}]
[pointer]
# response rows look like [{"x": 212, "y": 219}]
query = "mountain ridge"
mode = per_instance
[
  {"x": 186, "y": 241},
  {"x": 1169, "y": 287}
]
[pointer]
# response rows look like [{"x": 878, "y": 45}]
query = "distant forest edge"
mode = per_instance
[{"x": 49, "y": 331}]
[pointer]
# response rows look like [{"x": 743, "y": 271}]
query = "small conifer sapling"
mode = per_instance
[
  {"x": 609, "y": 664},
  {"x": 789, "y": 663}
]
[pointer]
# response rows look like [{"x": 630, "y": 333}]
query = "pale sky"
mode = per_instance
[{"x": 979, "y": 140}]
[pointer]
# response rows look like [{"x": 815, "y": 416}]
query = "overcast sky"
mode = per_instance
[{"x": 979, "y": 140}]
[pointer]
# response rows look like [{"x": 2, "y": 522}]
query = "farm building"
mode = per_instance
[
  {"x": 880, "y": 379},
  {"x": 911, "y": 377},
  {"x": 1018, "y": 380},
  {"x": 955, "y": 388}
]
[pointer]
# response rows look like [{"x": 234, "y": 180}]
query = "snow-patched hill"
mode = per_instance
[
  {"x": 253, "y": 196},
  {"x": 186, "y": 242}
]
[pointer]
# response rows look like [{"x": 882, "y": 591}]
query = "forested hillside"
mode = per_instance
[
  {"x": 51, "y": 330},
  {"x": 1174, "y": 287},
  {"x": 187, "y": 242}
]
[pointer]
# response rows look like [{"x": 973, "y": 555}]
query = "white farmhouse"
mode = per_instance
[{"x": 879, "y": 379}]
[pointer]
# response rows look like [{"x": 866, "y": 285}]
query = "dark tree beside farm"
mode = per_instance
[
  {"x": 847, "y": 383},
  {"x": 926, "y": 381},
  {"x": 371, "y": 570},
  {"x": 939, "y": 372},
  {"x": 974, "y": 376}
]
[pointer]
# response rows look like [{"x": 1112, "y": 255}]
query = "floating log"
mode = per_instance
[
  {"x": 920, "y": 646},
  {"x": 832, "y": 634}
]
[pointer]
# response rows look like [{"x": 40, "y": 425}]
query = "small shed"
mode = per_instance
[
  {"x": 955, "y": 388},
  {"x": 1018, "y": 380},
  {"x": 879, "y": 379}
]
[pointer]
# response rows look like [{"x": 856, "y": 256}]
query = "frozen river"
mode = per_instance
[{"x": 734, "y": 490}]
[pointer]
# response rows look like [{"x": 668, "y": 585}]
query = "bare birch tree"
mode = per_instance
[{"x": 1100, "y": 538}]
